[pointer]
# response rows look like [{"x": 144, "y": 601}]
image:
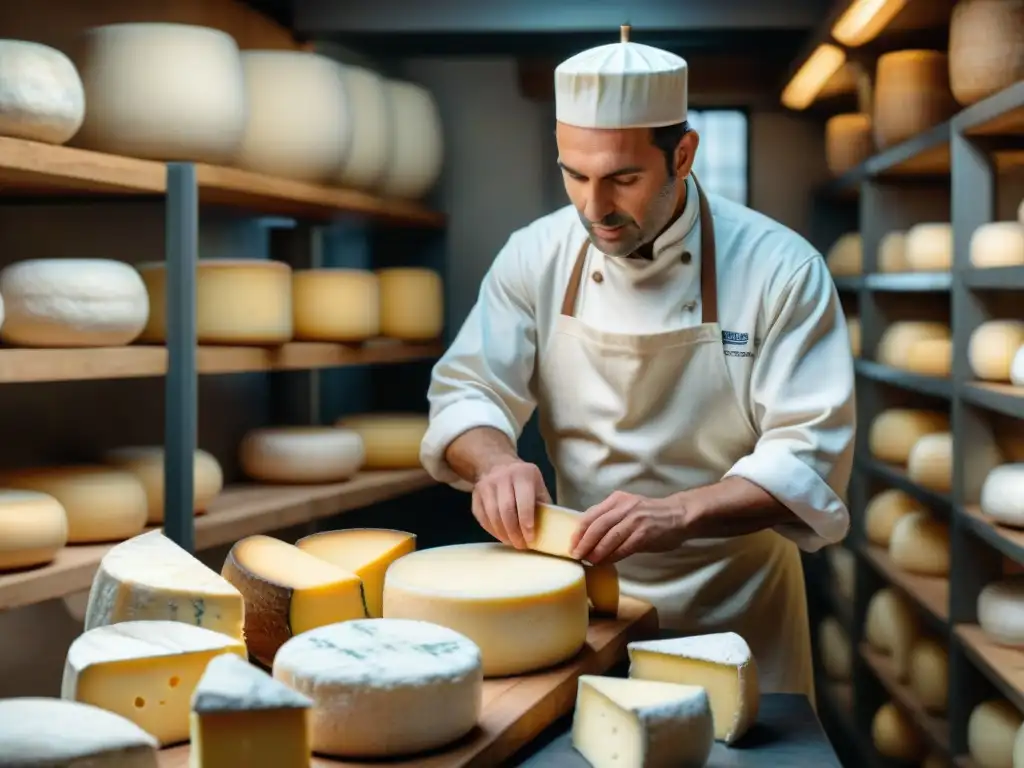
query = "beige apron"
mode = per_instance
[{"x": 654, "y": 415}]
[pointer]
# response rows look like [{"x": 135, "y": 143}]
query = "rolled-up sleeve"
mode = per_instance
[
  {"x": 802, "y": 393},
  {"x": 483, "y": 379}
]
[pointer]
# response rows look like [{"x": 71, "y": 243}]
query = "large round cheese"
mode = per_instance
[
  {"x": 415, "y": 141},
  {"x": 72, "y": 303},
  {"x": 882, "y": 513},
  {"x": 384, "y": 687},
  {"x": 301, "y": 454},
  {"x": 911, "y": 95},
  {"x": 162, "y": 91},
  {"x": 391, "y": 440},
  {"x": 929, "y": 675},
  {"x": 900, "y": 337},
  {"x": 33, "y": 529},
  {"x": 411, "y": 303},
  {"x": 846, "y": 256},
  {"x": 930, "y": 463},
  {"x": 853, "y": 329},
  {"x": 1001, "y": 611},
  {"x": 147, "y": 464},
  {"x": 892, "y": 252},
  {"x": 1002, "y": 495},
  {"x": 835, "y": 648},
  {"x": 930, "y": 357},
  {"x": 992, "y": 348},
  {"x": 298, "y": 125},
  {"x": 895, "y": 735},
  {"x": 891, "y": 627},
  {"x": 848, "y": 142},
  {"x": 369, "y": 117},
  {"x": 894, "y": 432},
  {"x": 929, "y": 247},
  {"x": 41, "y": 94},
  {"x": 986, "y": 48},
  {"x": 991, "y": 731},
  {"x": 525, "y": 611},
  {"x": 920, "y": 544},
  {"x": 102, "y": 503},
  {"x": 238, "y": 301},
  {"x": 843, "y": 565},
  {"x": 341, "y": 305},
  {"x": 997, "y": 244}
]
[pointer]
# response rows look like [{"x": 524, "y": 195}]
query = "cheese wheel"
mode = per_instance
[
  {"x": 929, "y": 247},
  {"x": 1001, "y": 495},
  {"x": 920, "y": 544},
  {"x": 892, "y": 252},
  {"x": 846, "y": 256},
  {"x": 895, "y": 736},
  {"x": 41, "y": 94},
  {"x": 992, "y": 348},
  {"x": 384, "y": 687},
  {"x": 1001, "y": 611},
  {"x": 930, "y": 357},
  {"x": 835, "y": 648},
  {"x": 301, "y": 454},
  {"x": 900, "y": 337},
  {"x": 911, "y": 95},
  {"x": 369, "y": 120},
  {"x": 411, "y": 304},
  {"x": 848, "y": 142},
  {"x": 147, "y": 464},
  {"x": 102, "y": 503},
  {"x": 162, "y": 91},
  {"x": 1017, "y": 368},
  {"x": 33, "y": 529},
  {"x": 72, "y": 303},
  {"x": 894, "y": 432},
  {"x": 238, "y": 301},
  {"x": 991, "y": 731},
  {"x": 930, "y": 463},
  {"x": 525, "y": 611},
  {"x": 415, "y": 141},
  {"x": 929, "y": 675},
  {"x": 882, "y": 513},
  {"x": 391, "y": 440},
  {"x": 986, "y": 48},
  {"x": 891, "y": 627},
  {"x": 853, "y": 329},
  {"x": 843, "y": 566},
  {"x": 997, "y": 244},
  {"x": 340, "y": 305}
]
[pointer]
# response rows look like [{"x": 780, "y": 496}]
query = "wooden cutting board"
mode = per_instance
[{"x": 515, "y": 709}]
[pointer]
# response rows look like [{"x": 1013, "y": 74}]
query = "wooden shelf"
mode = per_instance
[
  {"x": 896, "y": 477},
  {"x": 1001, "y": 398},
  {"x": 1003, "y": 666},
  {"x": 1009, "y": 541},
  {"x": 926, "y": 154},
  {"x": 933, "y": 386},
  {"x": 930, "y": 592},
  {"x": 237, "y": 512}
]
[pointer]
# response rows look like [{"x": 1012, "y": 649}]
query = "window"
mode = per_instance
[{"x": 722, "y": 161}]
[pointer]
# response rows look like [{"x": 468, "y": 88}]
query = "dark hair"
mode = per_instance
[{"x": 667, "y": 138}]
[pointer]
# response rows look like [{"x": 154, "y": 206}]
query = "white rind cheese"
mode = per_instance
[
  {"x": 1016, "y": 368},
  {"x": 991, "y": 731},
  {"x": 997, "y": 244},
  {"x": 232, "y": 684},
  {"x": 33, "y": 529},
  {"x": 369, "y": 114},
  {"x": 41, "y": 95},
  {"x": 384, "y": 687},
  {"x": 415, "y": 141},
  {"x": 1001, "y": 611},
  {"x": 302, "y": 454},
  {"x": 1002, "y": 495}
]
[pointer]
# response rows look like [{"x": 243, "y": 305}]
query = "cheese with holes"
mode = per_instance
[
  {"x": 853, "y": 329},
  {"x": 238, "y": 301},
  {"x": 895, "y": 736},
  {"x": 366, "y": 552},
  {"x": 411, "y": 304},
  {"x": 1001, "y": 611},
  {"x": 101, "y": 503},
  {"x": 997, "y": 244},
  {"x": 721, "y": 663},
  {"x": 911, "y": 95},
  {"x": 992, "y": 347},
  {"x": 1002, "y": 495},
  {"x": 415, "y": 141},
  {"x": 930, "y": 357},
  {"x": 287, "y": 592},
  {"x": 883, "y": 511},
  {"x": 894, "y": 432},
  {"x": 370, "y": 120},
  {"x": 898, "y": 339},
  {"x": 929, "y": 675},
  {"x": 846, "y": 256},
  {"x": 848, "y": 141},
  {"x": 920, "y": 544},
  {"x": 991, "y": 731},
  {"x": 72, "y": 303},
  {"x": 526, "y": 611},
  {"x": 843, "y": 565},
  {"x": 835, "y": 648},
  {"x": 892, "y": 252},
  {"x": 144, "y": 671},
  {"x": 891, "y": 627},
  {"x": 41, "y": 95},
  {"x": 242, "y": 716},
  {"x": 150, "y": 578},
  {"x": 930, "y": 247},
  {"x": 33, "y": 529},
  {"x": 301, "y": 454},
  {"x": 53, "y": 733},
  {"x": 1016, "y": 368},
  {"x": 147, "y": 464},
  {"x": 627, "y": 722},
  {"x": 986, "y": 48},
  {"x": 385, "y": 687},
  {"x": 930, "y": 463},
  {"x": 337, "y": 305},
  {"x": 391, "y": 440}
]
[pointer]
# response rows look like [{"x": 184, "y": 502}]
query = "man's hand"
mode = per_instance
[
  {"x": 625, "y": 523},
  {"x": 504, "y": 498}
]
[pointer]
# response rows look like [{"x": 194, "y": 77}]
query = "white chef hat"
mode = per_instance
[{"x": 621, "y": 85}]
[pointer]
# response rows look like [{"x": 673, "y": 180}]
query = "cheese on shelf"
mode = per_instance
[
  {"x": 366, "y": 552},
  {"x": 898, "y": 339},
  {"x": 238, "y": 301},
  {"x": 986, "y": 48},
  {"x": 920, "y": 544},
  {"x": 929, "y": 247},
  {"x": 848, "y": 142},
  {"x": 525, "y": 611},
  {"x": 33, "y": 529},
  {"x": 150, "y": 578},
  {"x": 891, "y": 627},
  {"x": 846, "y": 256},
  {"x": 301, "y": 454},
  {"x": 627, "y": 722},
  {"x": 992, "y": 347},
  {"x": 843, "y": 565},
  {"x": 929, "y": 675},
  {"x": 836, "y": 650},
  {"x": 930, "y": 357},
  {"x": 144, "y": 671},
  {"x": 1002, "y": 495},
  {"x": 391, "y": 440},
  {"x": 52, "y": 733},
  {"x": 101, "y": 503},
  {"x": 883, "y": 511},
  {"x": 415, "y": 141},
  {"x": 911, "y": 95},
  {"x": 892, "y": 252},
  {"x": 337, "y": 305},
  {"x": 991, "y": 731},
  {"x": 853, "y": 329},
  {"x": 1001, "y": 611},
  {"x": 997, "y": 244},
  {"x": 895, "y": 736},
  {"x": 411, "y": 303},
  {"x": 385, "y": 687},
  {"x": 1016, "y": 368},
  {"x": 369, "y": 119},
  {"x": 241, "y": 716},
  {"x": 147, "y": 464},
  {"x": 930, "y": 463},
  {"x": 41, "y": 94},
  {"x": 894, "y": 432},
  {"x": 287, "y": 592},
  {"x": 721, "y": 663}
]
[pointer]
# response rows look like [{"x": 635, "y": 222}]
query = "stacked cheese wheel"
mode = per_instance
[
  {"x": 920, "y": 441},
  {"x": 911, "y": 95},
  {"x": 924, "y": 347}
]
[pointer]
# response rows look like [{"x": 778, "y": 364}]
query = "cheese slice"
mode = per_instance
[
  {"x": 891, "y": 627},
  {"x": 721, "y": 663},
  {"x": 144, "y": 671},
  {"x": 38, "y": 732},
  {"x": 149, "y": 577},
  {"x": 287, "y": 592},
  {"x": 639, "y": 723},
  {"x": 366, "y": 552},
  {"x": 243, "y": 716}
]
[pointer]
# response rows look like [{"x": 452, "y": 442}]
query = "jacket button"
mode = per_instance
[
  {"x": 687, "y": 257},
  {"x": 598, "y": 277}
]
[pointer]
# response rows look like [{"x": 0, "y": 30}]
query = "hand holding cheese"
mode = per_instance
[{"x": 504, "y": 499}]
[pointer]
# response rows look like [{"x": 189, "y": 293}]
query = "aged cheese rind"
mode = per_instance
[
  {"x": 337, "y": 305},
  {"x": 33, "y": 529},
  {"x": 147, "y": 464},
  {"x": 1002, "y": 495},
  {"x": 301, "y": 454},
  {"x": 1001, "y": 611},
  {"x": 41, "y": 95}
]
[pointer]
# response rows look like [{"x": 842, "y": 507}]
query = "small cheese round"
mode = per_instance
[
  {"x": 883, "y": 511},
  {"x": 301, "y": 454},
  {"x": 72, "y": 303},
  {"x": 894, "y": 432},
  {"x": 102, "y": 503},
  {"x": 853, "y": 328},
  {"x": 41, "y": 95},
  {"x": 33, "y": 529},
  {"x": 900, "y": 337},
  {"x": 992, "y": 348},
  {"x": 391, "y": 440},
  {"x": 997, "y": 244},
  {"x": 891, "y": 627},
  {"x": 415, "y": 141},
  {"x": 369, "y": 117},
  {"x": 411, "y": 303},
  {"x": 892, "y": 252},
  {"x": 384, "y": 687},
  {"x": 1017, "y": 368},
  {"x": 846, "y": 256},
  {"x": 929, "y": 247},
  {"x": 836, "y": 651},
  {"x": 1001, "y": 611},
  {"x": 930, "y": 463},
  {"x": 525, "y": 611},
  {"x": 895, "y": 735},
  {"x": 991, "y": 731},
  {"x": 843, "y": 565},
  {"x": 338, "y": 305},
  {"x": 848, "y": 141},
  {"x": 930, "y": 357},
  {"x": 920, "y": 544},
  {"x": 929, "y": 675},
  {"x": 147, "y": 464},
  {"x": 1002, "y": 495}
]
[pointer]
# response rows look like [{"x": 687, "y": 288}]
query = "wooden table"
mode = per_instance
[{"x": 516, "y": 709}]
